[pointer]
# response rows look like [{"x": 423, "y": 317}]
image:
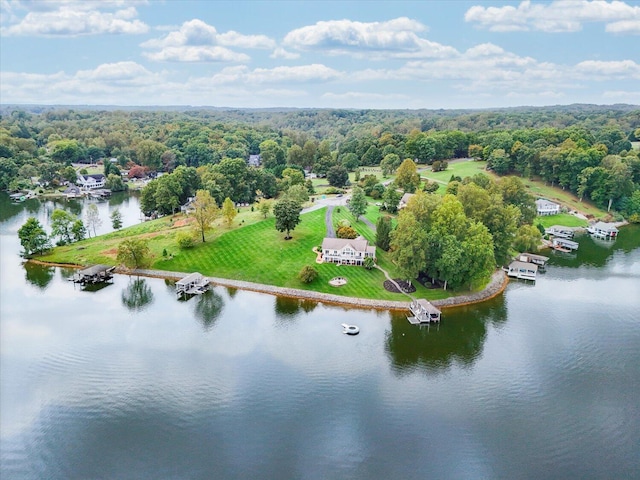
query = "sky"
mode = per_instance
[{"x": 320, "y": 54}]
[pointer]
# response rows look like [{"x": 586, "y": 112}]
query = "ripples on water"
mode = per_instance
[{"x": 128, "y": 382}]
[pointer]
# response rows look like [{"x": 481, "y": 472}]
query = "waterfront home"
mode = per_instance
[
  {"x": 73, "y": 191},
  {"x": 347, "y": 251},
  {"x": 545, "y": 207},
  {"x": 522, "y": 270},
  {"x": 405, "y": 200},
  {"x": 90, "y": 182},
  {"x": 604, "y": 230}
]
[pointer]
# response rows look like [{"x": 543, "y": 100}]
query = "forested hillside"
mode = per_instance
[{"x": 586, "y": 149}]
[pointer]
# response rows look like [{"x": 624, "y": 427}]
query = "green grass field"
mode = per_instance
[{"x": 564, "y": 219}]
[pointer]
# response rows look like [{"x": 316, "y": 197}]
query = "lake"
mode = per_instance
[{"x": 128, "y": 382}]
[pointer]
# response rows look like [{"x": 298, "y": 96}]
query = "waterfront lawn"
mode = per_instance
[{"x": 563, "y": 219}]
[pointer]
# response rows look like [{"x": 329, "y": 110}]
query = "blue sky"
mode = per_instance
[{"x": 351, "y": 54}]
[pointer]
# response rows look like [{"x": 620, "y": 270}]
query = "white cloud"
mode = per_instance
[
  {"x": 76, "y": 19},
  {"x": 282, "y": 53},
  {"x": 622, "y": 96},
  {"x": 557, "y": 16},
  {"x": 375, "y": 40},
  {"x": 624, "y": 26},
  {"x": 603, "y": 70},
  {"x": 196, "y": 41},
  {"x": 201, "y": 53},
  {"x": 314, "y": 73}
]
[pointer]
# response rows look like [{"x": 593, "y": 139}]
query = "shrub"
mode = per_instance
[
  {"x": 346, "y": 232},
  {"x": 185, "y": 240},
  {"x": 308, "y": 274},
  {"x": 344, "y": 223},
  {"x": 369, "y": 263}
]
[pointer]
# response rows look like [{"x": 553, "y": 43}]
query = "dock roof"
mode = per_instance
[{"x": 94, "y": 270}]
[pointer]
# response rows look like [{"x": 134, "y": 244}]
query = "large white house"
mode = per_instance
[
  {"x": 90, "y": 182},
  {"x": 346, "y": 251},
  {"x": 545, "y": 207}
]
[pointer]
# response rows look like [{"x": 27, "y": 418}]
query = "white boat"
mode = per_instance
[{"x": 350, "y": 329}]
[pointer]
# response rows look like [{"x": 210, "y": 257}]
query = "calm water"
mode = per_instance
[{"x": 128, "y": 382}]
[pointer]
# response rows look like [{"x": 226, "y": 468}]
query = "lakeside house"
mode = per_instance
[
  {"x": 90, "y": 182},
  {"x": 347, "y": 251},
  {"x": 545, "y": 207},
  {"x": 604, "y": 230},
  {"x": 73, "y": 191},
  {"x": 405, "y": 200}
]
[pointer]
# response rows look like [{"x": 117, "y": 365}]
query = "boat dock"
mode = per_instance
[
  {"x": 423, "y": 312},
  {"x": 564, "y": 245},
  {"x": 93, "y": 275},
  {"x": 522, "y": 270},
  {"x": 558, "y": 231},
  {"x": 539, "y": 260},
  {"x": 193, "y": 284}
]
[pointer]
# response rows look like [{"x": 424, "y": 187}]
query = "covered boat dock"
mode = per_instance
[
  {"x": 94, "y": 274},
  {"x": 193, "y": 284}
]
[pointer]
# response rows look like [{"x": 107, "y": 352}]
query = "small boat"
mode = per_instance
[{"x": 350, "y": 329}]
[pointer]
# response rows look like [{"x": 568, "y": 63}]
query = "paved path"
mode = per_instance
[
  {"x": 394, "y": 282},
  {"x": 329, "y": 223},
  {"x": 368, "y": 223}
]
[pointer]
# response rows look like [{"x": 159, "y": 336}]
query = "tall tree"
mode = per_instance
[
  {"x": 61, "y": 224},
  {"x": 407, "y": 177},
  {"x": 383, "y": 232},
  {"x": 337, "y": 176},
  {"x": 116, "y": 219},
  {"x": 287, "y": 213},
  {"x": 229, "y": 211},
  {"x": 32, "y": 237},
  {"x": 133, "y": 252},
  {"x": 205, "y": 211},
  {"x": 358, "y": 203},
  {"x": 408, "y": 246},
  {"x": 93, "y": 218},
  {"x": 78, "y": 231}
]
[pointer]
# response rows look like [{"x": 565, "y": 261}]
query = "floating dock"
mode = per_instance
[
  {"x": 423, "y": 312},
  {"x": 193, "y": 284},
  {"x": 564, "y": 245}
]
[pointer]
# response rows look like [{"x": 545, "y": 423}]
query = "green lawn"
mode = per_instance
[
  {"x": 564, "y": 219},
  {"x": 461, "y": 169}
]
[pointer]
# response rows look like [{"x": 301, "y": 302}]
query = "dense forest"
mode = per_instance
[
  {"x": 583, "y": 148},
  {"x": 456, "y": 239}
]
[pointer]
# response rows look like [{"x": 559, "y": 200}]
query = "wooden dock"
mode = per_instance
[
  {"x": 564, "y": 245},
  {"x": 93, "y": 275},
  {"x": 423, "y": 312},
  {"x": 193, "y": 284}
]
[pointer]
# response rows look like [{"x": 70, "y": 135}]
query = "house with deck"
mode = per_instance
[
  {"x": 91, "y": 182},
  {"x": 546, "y": 207},
  {"x": 347, "y": 251}
]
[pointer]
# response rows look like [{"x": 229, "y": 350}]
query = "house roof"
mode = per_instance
[
  {"x": 94, "y": 270},
  {"x": 605, "y": 226},
  {"x": 523, "y": 265},
  {"x": 543, "y": 202},
  {"x": 405, "y": 198},
  {"x": 359, "y": 244}
]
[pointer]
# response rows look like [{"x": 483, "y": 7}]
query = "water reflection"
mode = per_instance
[
  {"x": 137, "y": 295},
  {"x": 208, "y": 308},
  {"x": 435, "y": 348},
  {"x": 596, "y": 253},
  {"x": 287, "y": 308},
  {"x": 38, "y": 275}
]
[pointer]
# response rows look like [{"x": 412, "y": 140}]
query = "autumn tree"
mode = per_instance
[
  {"x": 229, "y": 211},
  {"x": 205, "y": 212},
  {"x": 264, "y": 207},
  {"x": 407, "y": 177}
]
